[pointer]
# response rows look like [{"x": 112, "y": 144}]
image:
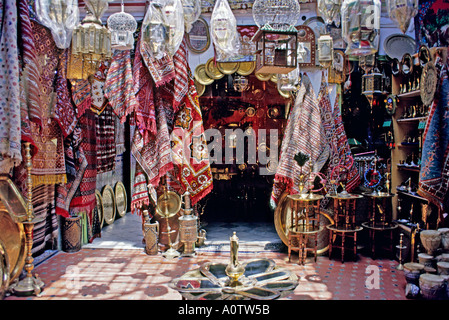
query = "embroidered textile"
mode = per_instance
[
  {"x": 76, "y": 164},
  {"x": 84, "y": 199},
  {"x": 145, "y": 113},
  {"x": 48, "y": 163},
  {"x": 434, "y": 173},
  {"x": 304, "y": 133},
  {"x": 161, "y": 70},
  {"x": 106, "y": 140},
  {"x": 64, "y": 110},
  {"x": 140, "y": 196},
  {"x": 119, "y": 85},
  {"x": 181, "y": 80},
  {"x": 10, "y": 132},
  {"x": 99, "y": 102},
  {"x": 81, "y": 95}
]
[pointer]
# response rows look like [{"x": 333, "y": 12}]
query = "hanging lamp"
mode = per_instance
[
  {"x": 360, "y": 26},
  {"x": 402, "y": 12},
  {"x": 122, "y": 26}
]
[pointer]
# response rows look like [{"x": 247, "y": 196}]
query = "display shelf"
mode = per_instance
[
  {"x": 412, "y": 195},
  {"x": 412, "y": 120},
  {"x": 410, "y": 94}
]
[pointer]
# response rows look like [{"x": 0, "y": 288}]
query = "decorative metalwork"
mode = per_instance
[
  {"x": 154, "y": 30},
  {"x": 360, "y": 21},
  {"x": 240, "y": 83},
  {"x": 188, "y": 228},
  {"x": 174, "y": 16},
  {"x": 122, "y": 26},
  {"x": 330, "y": 11},
  {"x": 276, "y": 14},
  {"x": 402, "y": 12}
]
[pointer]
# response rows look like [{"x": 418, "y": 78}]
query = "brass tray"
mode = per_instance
[
  {"x": 428, "y": 83},
  {"x": 246, "y": 68},
  {"x": 199, "y": 88},
  {"x": 212, "y": 70},
  {"x": 4, "y": 270},
  {"x": 263, "y": 76},
  {"x": 13, "y": 237},
  {"x": 100, "y": 208},
  {"x": 121, "y": 200},
  {"x": 228, "y": 67},
  {"x": 109, "y": 208},
  {"x": 201, "y": 76},
  {"x": 282, "y": 223},
  {"x": 168, "y": 204}
]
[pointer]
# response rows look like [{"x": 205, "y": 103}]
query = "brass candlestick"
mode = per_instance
[
  {"x": 234, "y": 270},
  {"x": 400, "y": 248},
  {"x": 30, "y": 284}
]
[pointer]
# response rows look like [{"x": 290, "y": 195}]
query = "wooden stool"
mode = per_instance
[
  {"x": 335, "y": 232},
  {"x": 305, "y": 225}
]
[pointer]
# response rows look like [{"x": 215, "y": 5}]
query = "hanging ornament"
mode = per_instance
[
  {"x": 155, "y": 30},
  {"x": 330, "y": 11},
  {"x": 174, "y": 16},
  {"x": 360, "y": 26},
  {"x": 402, "y": 12},
  {"x": 122, "y": 26},
  {"x": 240, "y": 83},
  {"x": 61, "y": 17},
  {"x": 224, "y": 31},
  {"x": 192, "y": 12},
  {"x": 91, "y": 41},
  {"x": 325, "y": 50},
  {"x": 276, "y": 14}
]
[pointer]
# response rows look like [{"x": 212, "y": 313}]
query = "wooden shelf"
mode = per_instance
[
  {"x": 411, "y": 94},
  {"x": 415, "y": 196},
  {"x": 411, "y": 119},
  {"x": 412, "y": 169}
]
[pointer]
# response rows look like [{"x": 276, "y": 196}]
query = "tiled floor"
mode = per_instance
[{"x": 116, "y": 267}]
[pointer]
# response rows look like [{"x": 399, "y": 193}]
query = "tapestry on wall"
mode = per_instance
[
  {"x": 434, "y": 172},
  {"x": 432, "y": 23}
]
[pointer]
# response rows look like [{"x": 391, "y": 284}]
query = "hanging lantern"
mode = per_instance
[
  {"x": 61, "y": 17},
  {"x": 240, "y": 83},
  {"x": 276, "y": 14},
  {"x": 372, "y": 85},
  {"x": 330, "y": 11},
  {"x": 155, "y": 30},
  {"x": 192, "y": 12},
  {"x": 360, "y": 21},
  {"x": 288, "y": 82},
  {"x": 174, "y": 16},
  {"x": 402, "y": 12},
  {"x": 367, "y": 62},
  {"x": 325, "y": 50},
  {"x": 91, "y": 40},
  {"x": 122, "y": 26}
]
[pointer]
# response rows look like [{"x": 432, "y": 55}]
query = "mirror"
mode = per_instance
[
  {"x": 395, "y": 69},
  {"x": 306, "y": 46},
  {"x": 424, "y": 55},
  {"x": 407, "y": 64}
]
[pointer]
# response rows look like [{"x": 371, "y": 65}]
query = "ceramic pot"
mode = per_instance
[
  {"x": 412, "y": 271},
  {"x": 443, "y": 268},
  {"x": 444, "y": 238},
  {"x": 426, "y": 260},
  {"x": 431, "y": 240},
  {"x": 432, "y": 286}
]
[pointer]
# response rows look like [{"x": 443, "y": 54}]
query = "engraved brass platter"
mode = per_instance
[
  {"x": 246, "y": 68},
  {"x": 201, "y": 76},
  {"x": 228, "y": 67},
  {"x": 263, "y": 76},
  {"x": 13, "y": 237},
  {"x": 109, "y": 207},
  {"x": 121, "y": 200},
  {"x": 99, "y": 207},
  {"x": 200, "y": 88},
  {"x": 4, "y": 270},
  {"x": 428, "y": 83},
  {"x": 282, "y": 223},
  {"x": 212, "y": 70},
  {"x": 168, "y": 204}
]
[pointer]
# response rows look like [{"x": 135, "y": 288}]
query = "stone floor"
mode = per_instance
[{"x": 115, "y": 267}]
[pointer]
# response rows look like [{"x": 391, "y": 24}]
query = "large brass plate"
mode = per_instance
[
  {"x": 263, "y": 76},
  {"x": 13, "y": 237},
  {"x": 212, "y": 70},
  {"x": 201, "y": 76},
  {"x": 199, "y": 88},
  {"x": 282, "y": 223},
  {"x": 121, "y": 200},
  {"x": 4, "y": 270},
  {"x": 168, "y": 204},
  {"x": 109, "y": 208},
  {"x": 246, "y": 68},
  {"x": 228, "y": 67},
  {"x": 100, "y": 207},
  {"x": 428, "y": 83}
]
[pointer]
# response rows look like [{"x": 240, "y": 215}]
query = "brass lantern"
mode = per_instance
[
  {"x": 372, "y": 85},
  {"x": 276, "y": 51},
  {"x": 91, "y": 40},
  {"x": 360, "y": 26},
  {"x": 325, "y": 50},
  {"x": 122, "y": 26}
]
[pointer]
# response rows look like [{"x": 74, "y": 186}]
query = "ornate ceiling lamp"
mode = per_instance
[
  {"x": 174, "y": 16},
  {"x": 223, "y": 26},
  {"x": 61, "y": 17},
  {"x": 154, "y": 30},
  {"x": 330, "y": 11},
  {"x": 277, "y": 38},
  {"x": 122, "y": 26},
  {"x": 360, "y": 23},
  {"x": 192, "y": 11},
  {"x": 91, "y": 40},
  {"x": 402, "y": 12}
]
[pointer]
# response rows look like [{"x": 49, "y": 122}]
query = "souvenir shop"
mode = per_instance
[{"x": 326, "y": 120}]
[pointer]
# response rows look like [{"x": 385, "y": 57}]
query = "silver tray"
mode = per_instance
[{"x": 396, "y": 45}]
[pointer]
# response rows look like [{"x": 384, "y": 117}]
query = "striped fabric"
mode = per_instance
[
  {"x": 106, "y": 149},
  {"x": 81, "y": 95},
  {"x": 181, "y": 80},
  {"x": 119, "y": 87}
]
